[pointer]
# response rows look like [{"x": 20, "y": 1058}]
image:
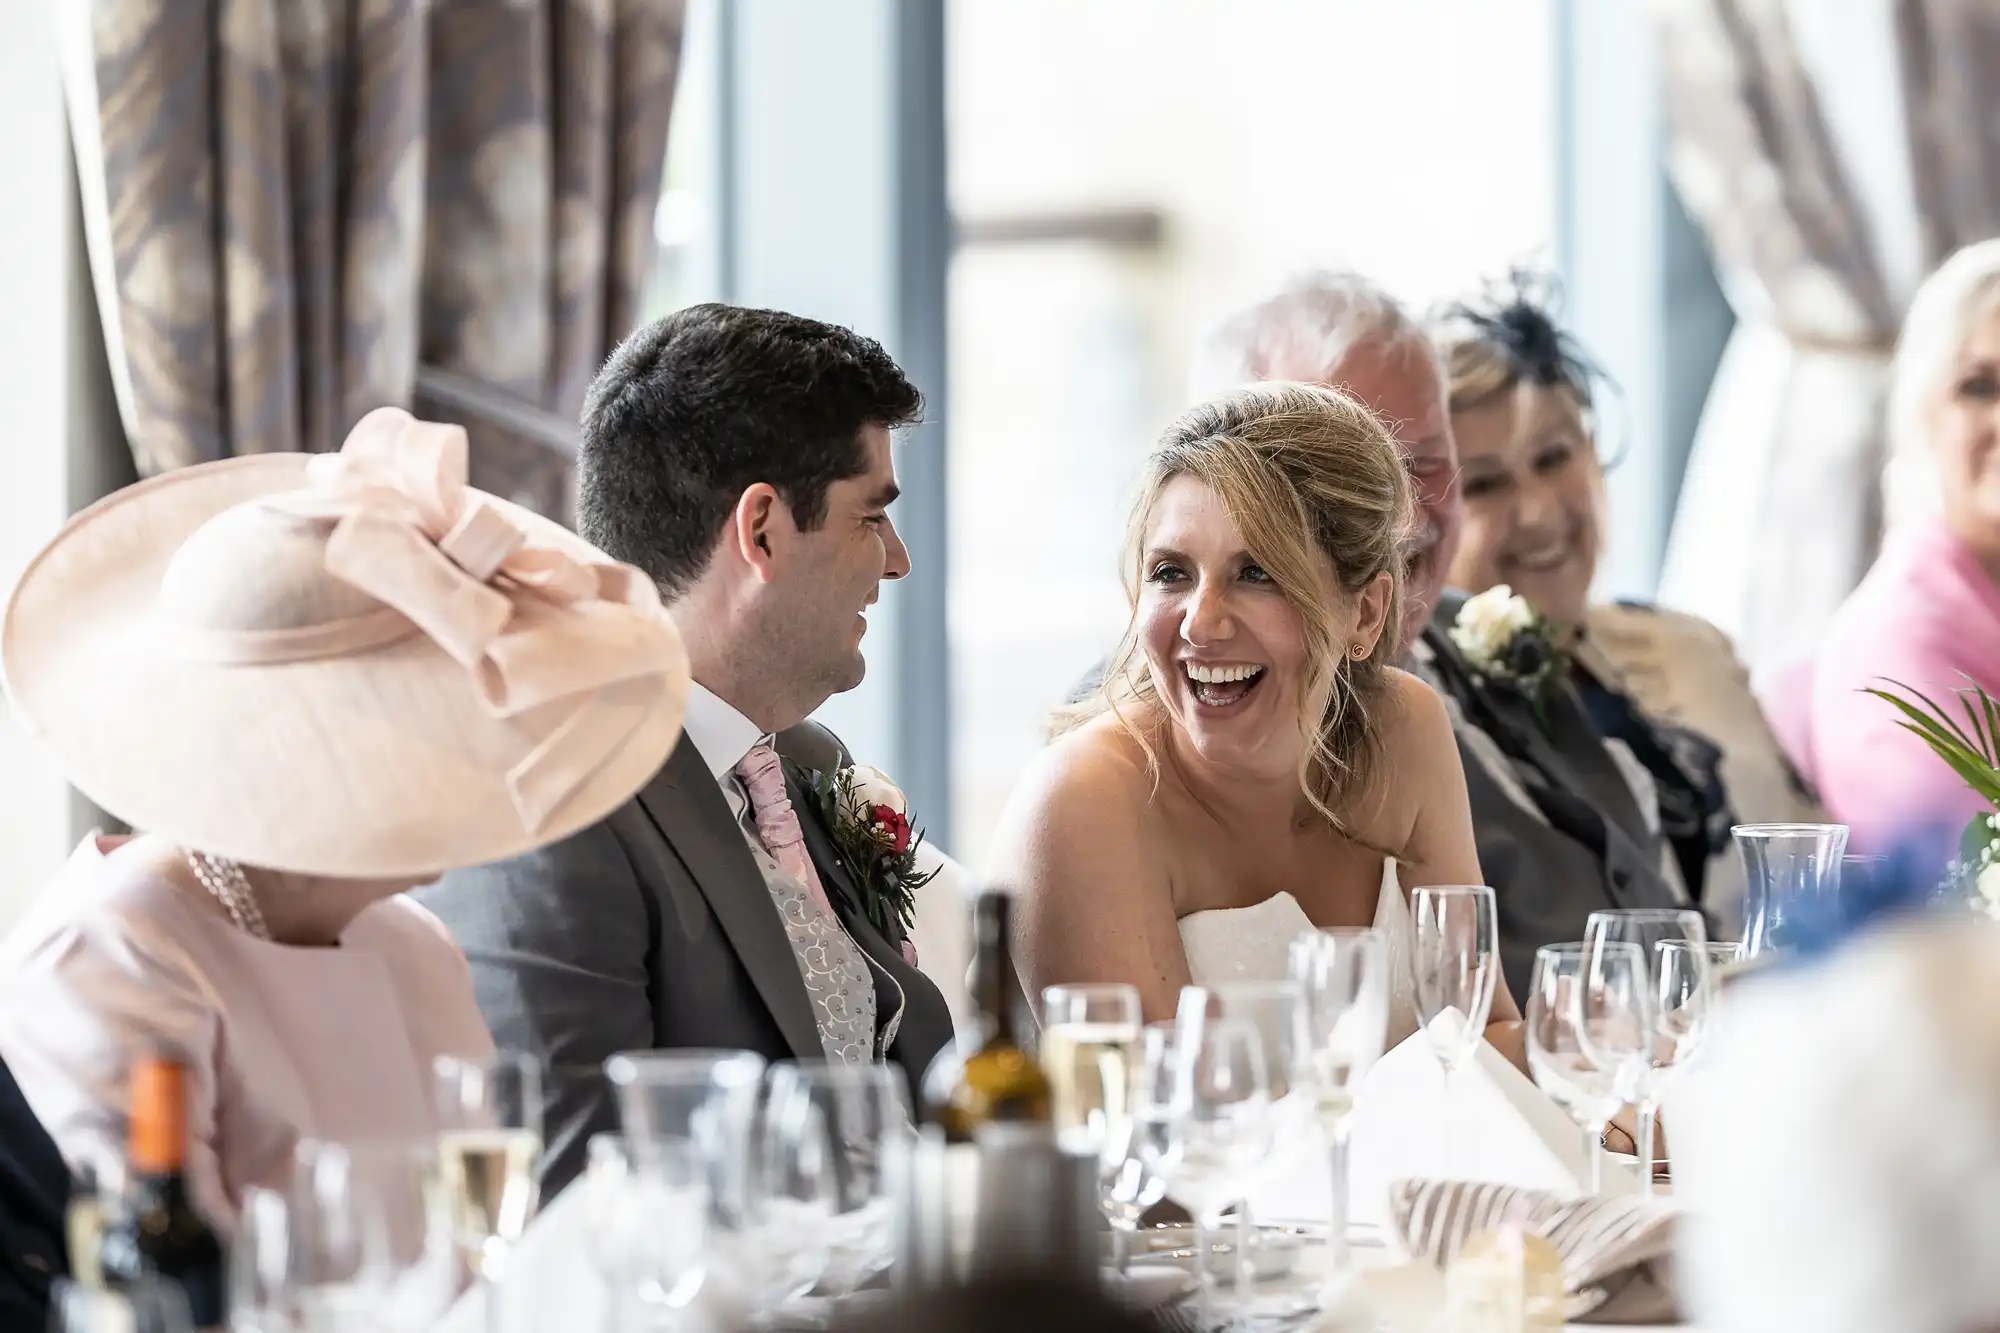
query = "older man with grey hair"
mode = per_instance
[{"x": 1560, "y": 833}]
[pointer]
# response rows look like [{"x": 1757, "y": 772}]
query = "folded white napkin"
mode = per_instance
[{"x": 1490, "y": 1123}]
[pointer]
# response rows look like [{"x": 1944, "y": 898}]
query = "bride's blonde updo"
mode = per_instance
[{"x": 1316, "y": 485}]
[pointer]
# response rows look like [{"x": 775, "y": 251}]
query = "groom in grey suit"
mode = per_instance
[
  {"x": 1559, "y": 832},
  {"x": 742, "y": 459}
]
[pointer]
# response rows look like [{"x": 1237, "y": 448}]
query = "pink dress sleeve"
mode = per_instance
[
  {"x": 78, "y": 1007},
  {"x": 1883, "y": 782}
]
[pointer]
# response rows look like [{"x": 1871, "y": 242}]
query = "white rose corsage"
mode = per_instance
[
  {"x": 869, "y": 819},
  {"x": 1506, "y": 640}
]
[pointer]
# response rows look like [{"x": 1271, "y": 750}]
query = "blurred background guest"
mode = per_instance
[
  {"x": 1664, "y": 691},
  {"x": 1928, "y": 613},
  {"x": 1838, "y": 1144},
  {"x": 314, "y": 685}
]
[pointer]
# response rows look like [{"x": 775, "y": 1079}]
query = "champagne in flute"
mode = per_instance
[
  {"x": 1090, "y": 1068},
  {"x": 489, "y": 1182}
]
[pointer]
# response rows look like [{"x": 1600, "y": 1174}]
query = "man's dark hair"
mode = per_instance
[{"x": 696, "y": 408}]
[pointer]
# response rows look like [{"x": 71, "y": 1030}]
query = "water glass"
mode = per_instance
[
  {"x": 1457, "y": 967},
  {"x": 1788, "y": 869},
  {"x": 1342, "y": 978},
  {"x": 1556, "y": 1054},
  {"x": 490, "y": 1155}
]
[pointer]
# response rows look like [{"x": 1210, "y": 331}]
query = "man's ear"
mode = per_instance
[{"x": 759, "y": 514}]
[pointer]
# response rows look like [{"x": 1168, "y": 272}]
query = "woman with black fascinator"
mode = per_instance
[{"x": 1665, "y": 690}]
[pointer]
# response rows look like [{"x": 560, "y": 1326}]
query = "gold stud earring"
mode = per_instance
[{"x": 1357, "y": 651}]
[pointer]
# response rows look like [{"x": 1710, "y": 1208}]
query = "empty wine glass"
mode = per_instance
[
  {"x": 1457, "y": 965},
  {"x": 1684, "y": 976},
  {"x": 1090, "y": 1053},
  {"x": 1159, "y": 1093},
  {"x": 1273, "y": 1009},
  {"x": 262, "y": 1295},
  {"x": 706, "y": 1097},
  {"x": 369, "y": 1247},
  {"x": 1223, "y": 1131},
  {"x": 859, "y": 1117},
  {"x": 1649, "y": 928},
  {"x": 490, "y": 1153},
  {"x": 1614, "y": 1019},
  {"x": 1343, "y": 982},
  {"x": 1556, "y": 1055},
  {"x": 648, "y": 1227}
]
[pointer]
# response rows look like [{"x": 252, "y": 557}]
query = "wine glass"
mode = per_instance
[
  {"x": 1649, "y": 928},
  {"x": 489, "y": 1153},
  {"x": 1158, "y": 1095},
  {"x": 705, "y": 1097},
  {"x": 1223, "y": 1131},
  {"x": 647, "y": 1225},
  {"x": 1614, "y": 1021},
  {"x": 1090, "y": 1053},
  {"x": 1684, "y": 975},
  {"x": 856, "y": 1120},
  {"x": 1556, "y": 1054},
  {"x": 1343, "y": 981},
  {"x": 1457, "y": 967},
  {"x": 262, "y": 1295},
  {"x": 367, "y": 1240}
]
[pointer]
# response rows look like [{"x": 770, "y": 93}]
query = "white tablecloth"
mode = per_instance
[{"x": 554, "y": 1284}]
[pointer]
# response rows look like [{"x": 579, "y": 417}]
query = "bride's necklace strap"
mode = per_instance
[{"x": 227, "y": 884}]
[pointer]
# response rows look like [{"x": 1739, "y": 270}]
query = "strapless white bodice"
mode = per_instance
[{"x": 1254, "y": 944}]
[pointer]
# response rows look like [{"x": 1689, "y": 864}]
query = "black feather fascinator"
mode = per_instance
[{"x": 1518, "y": 315}]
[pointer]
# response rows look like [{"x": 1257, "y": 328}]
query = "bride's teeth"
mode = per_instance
[{"x": 1221, "y": 675}]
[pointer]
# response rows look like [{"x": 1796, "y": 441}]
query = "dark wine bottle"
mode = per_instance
[
  {"x": 998, "y": 1081},
  {"x": 160, "y": 1234}
]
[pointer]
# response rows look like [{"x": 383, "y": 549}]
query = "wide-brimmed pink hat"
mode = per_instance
[{"x": 347, "y": 664}]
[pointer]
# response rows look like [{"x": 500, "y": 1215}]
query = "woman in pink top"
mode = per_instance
[
  {"x": 1928, "y": 613},
  {"x": 315, "y": 684}
]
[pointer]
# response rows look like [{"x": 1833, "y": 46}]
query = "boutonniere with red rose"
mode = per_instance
[{"x": 868, "y": 818}]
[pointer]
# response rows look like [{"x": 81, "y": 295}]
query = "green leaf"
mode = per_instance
[{"x": 1941, "y": 737}]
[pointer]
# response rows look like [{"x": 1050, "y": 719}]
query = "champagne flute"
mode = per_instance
[
  {"x": 1457, "y": 967},
  {"x": 1090, "y": 1052},
  {"x": 1556, "y": 1055},
  {"x": 490, "y": 1151},
  {"x": 1649, "y": 928},
  {"x": 1343, "y": 981}
]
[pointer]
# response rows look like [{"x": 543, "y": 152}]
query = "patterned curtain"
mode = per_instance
[
  {"x": 299, "y": 210},
  {"x": 1781, "y": 510}
]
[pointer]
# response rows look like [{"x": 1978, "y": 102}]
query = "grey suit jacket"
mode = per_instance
[
  {"x": 1560, "y": 834},
  {"x": 654, "y": 928}
]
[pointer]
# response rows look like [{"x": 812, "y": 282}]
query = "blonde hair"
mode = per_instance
[
  {"x": 1947, "y": 307},
  {"x": 1311, "y": 479}
]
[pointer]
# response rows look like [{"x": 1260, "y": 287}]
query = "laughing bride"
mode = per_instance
[{"x": 1252, "y": 766}]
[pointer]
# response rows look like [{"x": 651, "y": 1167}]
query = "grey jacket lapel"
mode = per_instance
[{"x": 692, "y": 815}]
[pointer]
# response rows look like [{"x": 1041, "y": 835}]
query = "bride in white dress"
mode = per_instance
[{"x": 1252, "y": 766}]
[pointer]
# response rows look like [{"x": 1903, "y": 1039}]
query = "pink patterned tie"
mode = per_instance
[{"x": 777, "y": 822}]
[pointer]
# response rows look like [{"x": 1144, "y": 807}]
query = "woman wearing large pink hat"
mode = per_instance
[{"x": 312, "y": 683}]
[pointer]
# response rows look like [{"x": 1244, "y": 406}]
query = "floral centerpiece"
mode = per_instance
[{"x": 1973, "y": 752}]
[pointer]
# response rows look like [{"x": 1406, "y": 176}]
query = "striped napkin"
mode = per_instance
[{"x": 1616, "y": 1250}]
